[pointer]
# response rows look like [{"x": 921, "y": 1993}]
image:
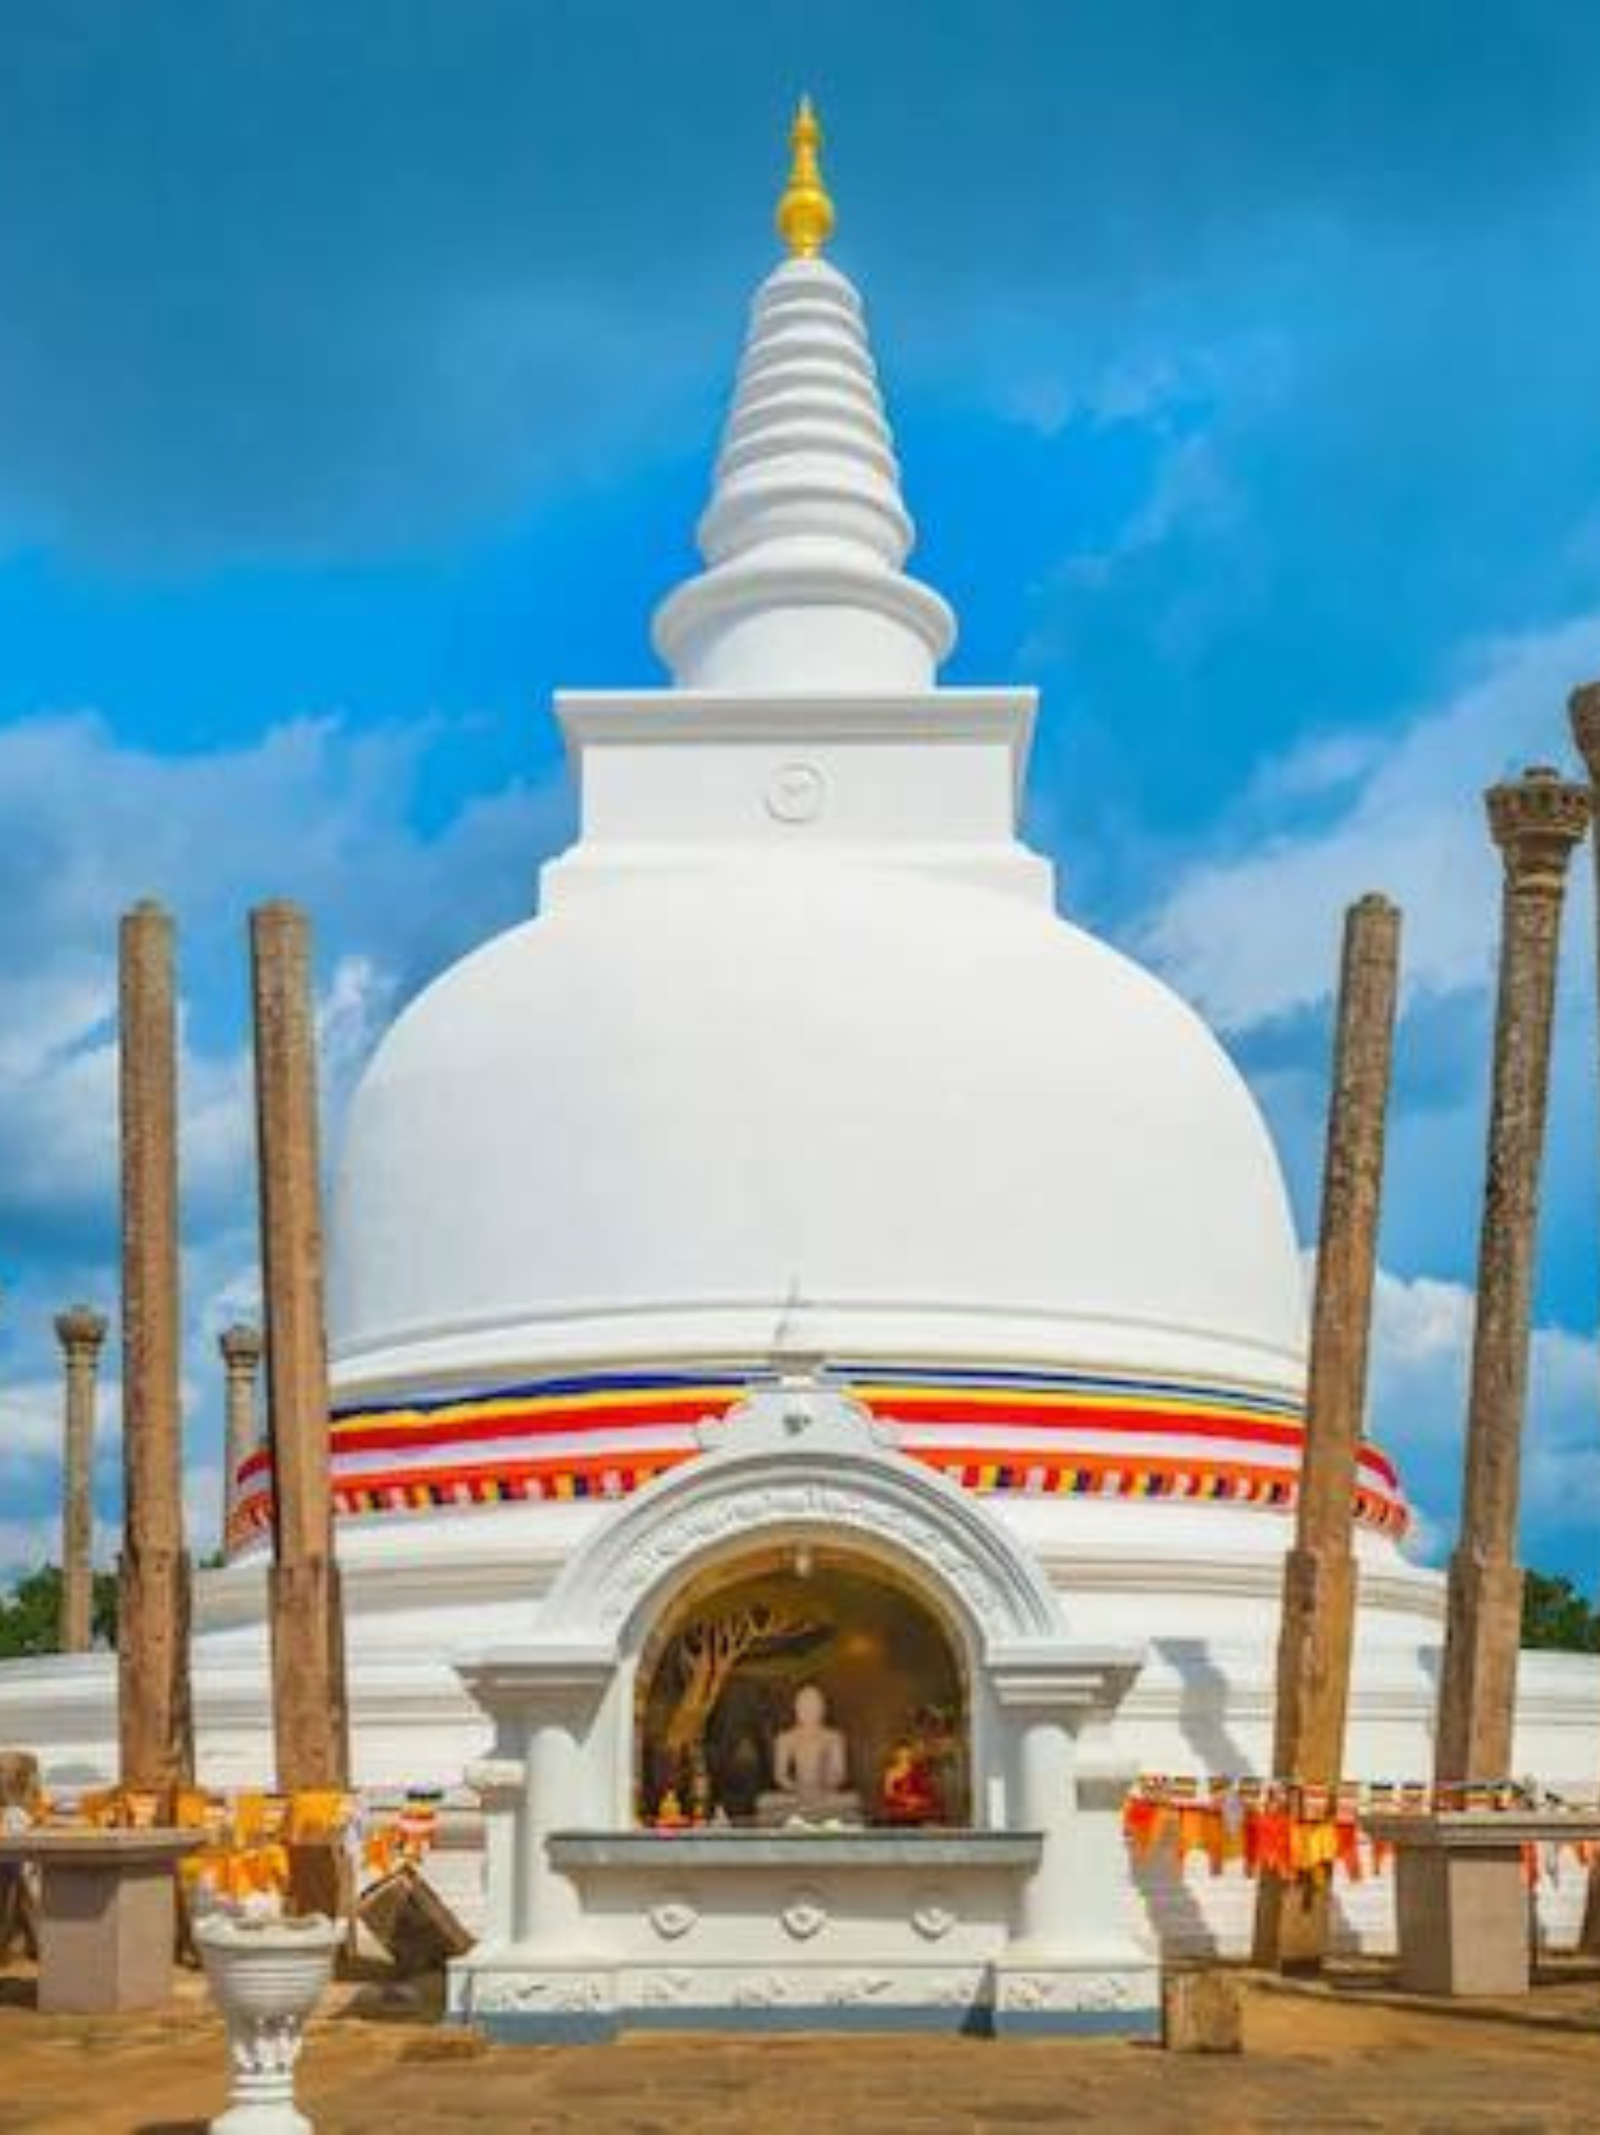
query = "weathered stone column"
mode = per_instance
[
  {"x": 308, "y": 1677},
  {"x": 155, "y": 1725},
  {"x": 1536, "y": 820},
  {"x": 1319, "y": 1572},
  {"x": 81, "y": 1332},
  {"x": 241, "y": 1360},
  {"x": 1584, "y": 708}
]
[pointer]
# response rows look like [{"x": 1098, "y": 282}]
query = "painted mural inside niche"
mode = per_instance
[{"x": 802, "y": 1688}]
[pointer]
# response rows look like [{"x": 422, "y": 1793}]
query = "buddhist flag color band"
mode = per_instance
[{"x": 1037, "y": 1433}]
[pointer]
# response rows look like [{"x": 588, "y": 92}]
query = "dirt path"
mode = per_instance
[{"x": 1311, "y": 2066}]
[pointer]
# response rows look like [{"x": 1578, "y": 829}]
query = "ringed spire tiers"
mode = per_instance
[{"x": 806, "y": 535}]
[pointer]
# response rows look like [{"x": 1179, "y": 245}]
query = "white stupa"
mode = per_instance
[{"x": 800, "y": 1197}]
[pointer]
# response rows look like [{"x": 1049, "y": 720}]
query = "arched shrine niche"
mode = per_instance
[{"x": 802, "y": 1685}]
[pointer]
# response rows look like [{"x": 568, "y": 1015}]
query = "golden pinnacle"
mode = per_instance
[{"x": 805, "y": 213}]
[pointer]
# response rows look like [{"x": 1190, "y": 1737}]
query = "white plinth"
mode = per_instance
[{"x": 848, "y": 1930}]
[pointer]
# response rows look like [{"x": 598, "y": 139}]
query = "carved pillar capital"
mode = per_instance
[
  {"x": 241, "y": 1348},
  {"x": 1583, "y": 707},
  {"x": 1536, "y": 820},
  {"x": 81, "y": 1332}
]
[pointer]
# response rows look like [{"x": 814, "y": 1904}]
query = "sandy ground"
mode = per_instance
[{"x": 1312, "y": 2063}]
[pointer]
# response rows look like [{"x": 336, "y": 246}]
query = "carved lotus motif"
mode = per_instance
[
  {"x": 804, "y": 1914},
  {"x": 933, "y": 1916},
  {"x": 673, "y": 1915}
]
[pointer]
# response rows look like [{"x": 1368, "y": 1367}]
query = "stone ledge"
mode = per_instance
[
  {"x": 1479, "y": 1830},
  {"x": 97, "y": 1849},
  {"x": 794, "y": 1849}
]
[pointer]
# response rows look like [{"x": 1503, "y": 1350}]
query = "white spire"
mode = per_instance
[{"x": 805, "y": 534}]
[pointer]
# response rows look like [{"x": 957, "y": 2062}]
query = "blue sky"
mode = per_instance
[{"x": 359, "y": 372}]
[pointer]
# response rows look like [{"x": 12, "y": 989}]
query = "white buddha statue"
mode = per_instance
[{"x": 810, "y": 1764}]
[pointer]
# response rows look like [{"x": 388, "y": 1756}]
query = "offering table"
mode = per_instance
[
  {"x": 1461, "y": 1894},
  {"x": 107, "y": 1915}
]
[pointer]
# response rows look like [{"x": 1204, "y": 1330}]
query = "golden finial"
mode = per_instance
[{"x": 805, "y": 213}]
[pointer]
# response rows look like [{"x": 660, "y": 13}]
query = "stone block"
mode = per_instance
[
  {"x": 1463, "y": 1921},
  {"x": 1201, "y": 2012}
]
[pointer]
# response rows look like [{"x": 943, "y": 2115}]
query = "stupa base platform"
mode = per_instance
[{"x": 517, "y": 2000}]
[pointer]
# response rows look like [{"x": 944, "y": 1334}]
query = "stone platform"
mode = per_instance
[{"x": 797, "y": 1930}]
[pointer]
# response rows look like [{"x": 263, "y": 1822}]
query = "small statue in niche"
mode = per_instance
[
  {"x": 670, "y": 1812},
  {"x": 909, "y": 1793},
  {"x": 810, "y": 1764},
  {"x": 809, "y": 1756},
  {"x": 701, "y": 1795}
]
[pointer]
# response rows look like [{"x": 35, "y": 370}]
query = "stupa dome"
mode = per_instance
[{"x": 842, "y": 1108}]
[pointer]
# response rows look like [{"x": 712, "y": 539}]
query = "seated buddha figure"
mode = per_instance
[
  {"x": 810, "y": 1764},
  {"x": 908, "y": 1792}
]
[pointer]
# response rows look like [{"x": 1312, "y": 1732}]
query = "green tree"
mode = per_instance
[
  {"x": 1555, "y": 1616},
  {"x": 30, "y": 1613}
]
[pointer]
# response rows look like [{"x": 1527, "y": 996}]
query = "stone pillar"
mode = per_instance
[
  {"x": 539, "y": 1778},
  {"x": 310, "y": 1722},
  {"x": 1074, "y": 1947},
  {"x": 1319, "y": 1573},
  {"x": 501, "y": 1785},
  {"x": 81, "y": 1332},
  {"x": 1044, "y": 1804},
  {"x": 1584, "y": 708},
  {"x": 1536, "y": 820},
  {"x": 154, "y": 1716},
  {"x": 241, "y": 1360},
  {"x": 548, "y": 1913}
]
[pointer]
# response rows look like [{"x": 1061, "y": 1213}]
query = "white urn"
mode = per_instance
[{"x": 266, "y": 1978}]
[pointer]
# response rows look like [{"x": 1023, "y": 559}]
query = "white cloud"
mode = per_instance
[
  {"x": 1243, "y": 935},
  {"x": 1421, "y": 1352},
  {"x": 87, "y": 826},
  {"x": 1191, "y": 491}
]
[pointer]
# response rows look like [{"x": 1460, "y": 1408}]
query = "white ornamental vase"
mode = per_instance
[{"x": 266, "y": 1978}]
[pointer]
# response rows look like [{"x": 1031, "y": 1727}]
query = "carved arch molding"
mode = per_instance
[{"x": 945, "y": 1540}]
